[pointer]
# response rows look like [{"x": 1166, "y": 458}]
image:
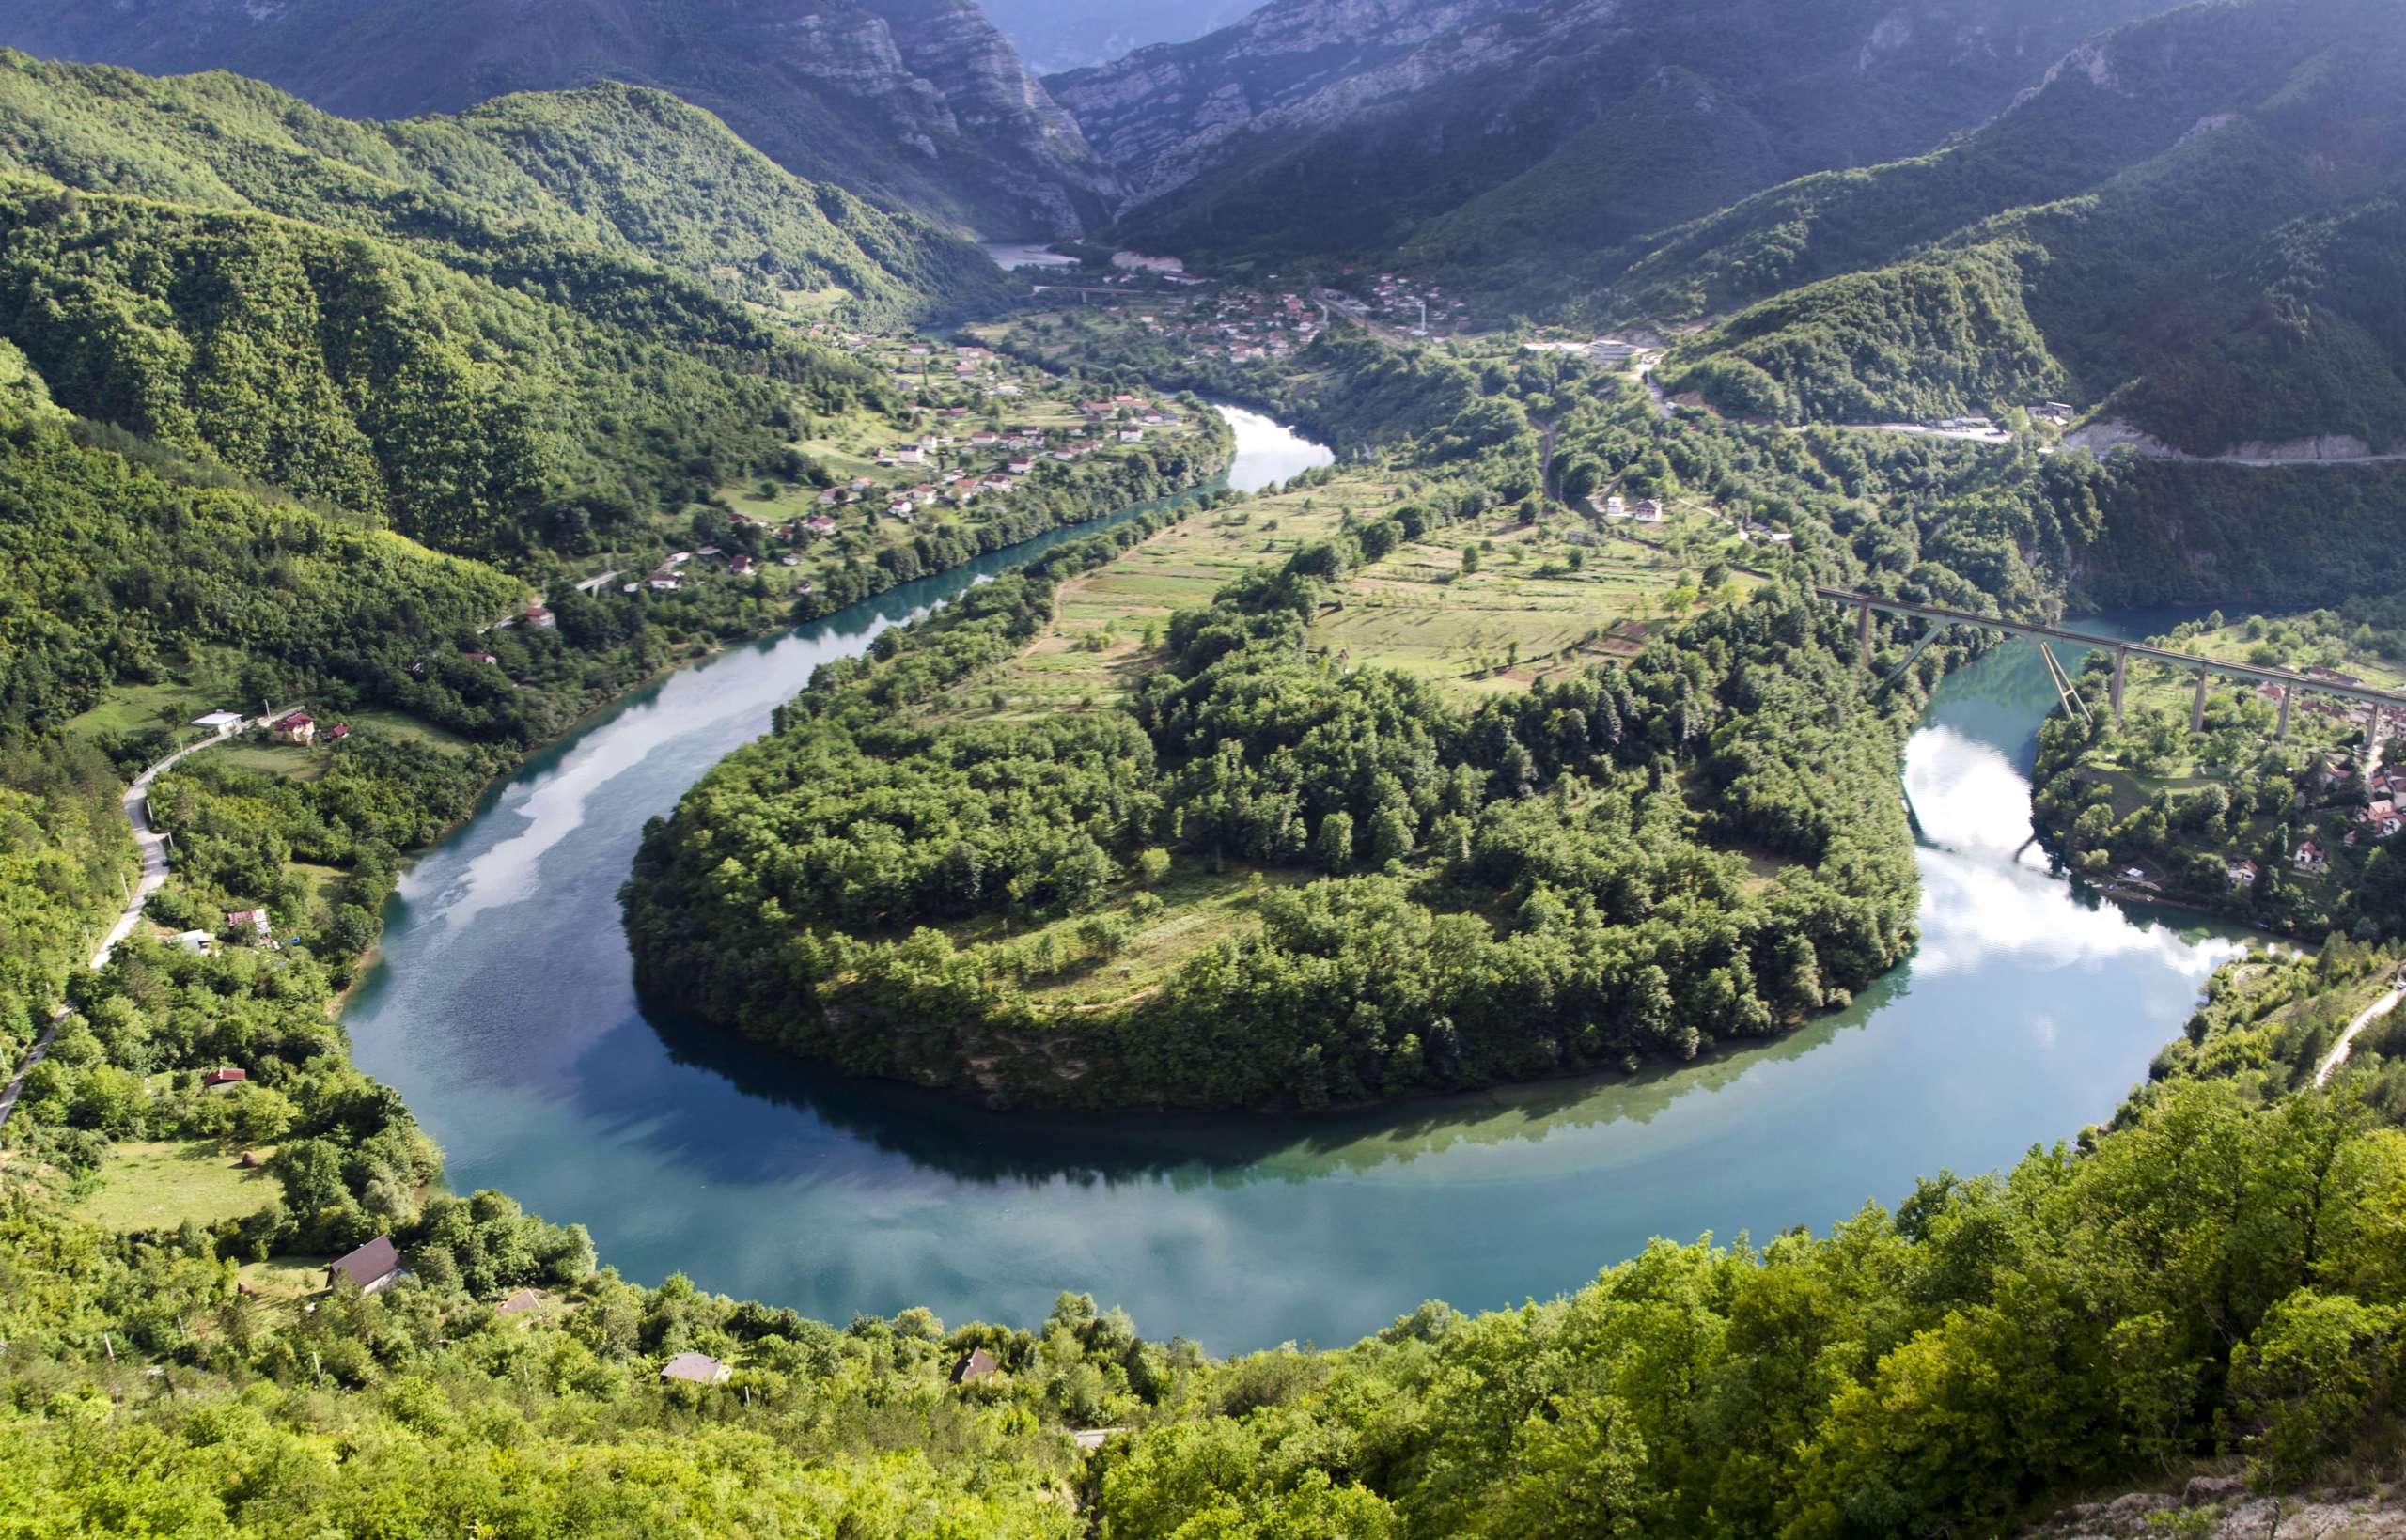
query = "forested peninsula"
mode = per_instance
[{"x": 1325, "y": 882}]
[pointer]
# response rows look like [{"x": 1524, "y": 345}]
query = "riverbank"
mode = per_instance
[{"x": 510, "y": 1023}]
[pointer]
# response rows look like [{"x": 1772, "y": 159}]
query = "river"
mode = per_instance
[
  {"x": 1011, "y": 256},
  {"x": 503, "y": 1007}
]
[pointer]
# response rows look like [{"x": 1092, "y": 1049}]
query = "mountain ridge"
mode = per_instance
[
  {"x": 1354, "y": 126},
  {"x": 914, "y": 103},
  {"x": 2188, "y": 229},
  {"x": 630, "y": 170}
]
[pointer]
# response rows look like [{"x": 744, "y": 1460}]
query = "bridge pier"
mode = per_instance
[
  {"x": 2281, "y": 732},
  {"x": 1863, "y": 634},
  {"x": 2121, "y": 673},
  {"x": 2198, "y": 706}
]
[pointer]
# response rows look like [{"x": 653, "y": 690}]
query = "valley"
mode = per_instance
[{"x": 1087, "y": 776}]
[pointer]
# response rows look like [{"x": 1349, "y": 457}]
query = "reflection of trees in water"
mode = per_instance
[
  {"x": 735, "y": 1122},
  {"x": 742, "y": 1130}
]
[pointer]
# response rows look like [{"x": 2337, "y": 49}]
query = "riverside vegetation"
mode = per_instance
[
  {"x": 2213, "y": 1278},
  {"x": 1886, "y": 1379},
  {"x": 2216, "y": 818}
]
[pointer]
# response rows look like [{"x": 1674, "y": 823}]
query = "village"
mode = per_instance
[
  {"x": 977, "y": 434},
  {"x": 2197, "y": 795}
]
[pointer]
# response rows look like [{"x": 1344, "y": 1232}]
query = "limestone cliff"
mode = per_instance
[{"x": 1367, "y": 120}]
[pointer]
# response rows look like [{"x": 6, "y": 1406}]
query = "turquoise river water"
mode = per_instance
[{"x": 504, "y": 1009}]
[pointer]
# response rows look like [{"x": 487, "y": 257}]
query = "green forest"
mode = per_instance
[
  {"x": 524, "y": 188},
  {"x": 2203, "y": 251},
  {"x": 1556, "y": 881},
  {"x": 295, "y": 409}
]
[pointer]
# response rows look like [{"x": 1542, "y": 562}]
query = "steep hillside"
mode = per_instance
[
  {"x": 612, "y": 169},
  {"x": 1543, "y": 127},
  {"x": 474, "y": 417},
  {"x": 917, "y": 103},
  {"x": 2207, "y": 250}
]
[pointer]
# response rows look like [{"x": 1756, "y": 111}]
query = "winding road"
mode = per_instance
[
  {"x": 152, "y": 846},
  {"x": 2341, "y": 1049}
]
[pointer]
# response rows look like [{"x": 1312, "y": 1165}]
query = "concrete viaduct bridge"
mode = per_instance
[{"x": 2384, "y": 703}]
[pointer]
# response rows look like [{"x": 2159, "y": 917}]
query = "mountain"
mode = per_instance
[
  {"x": 2192, "y": 225},
  {"x": 1054, "y": 35},
  {"x": 451, "y": 326},
  {"x": 1504, "y": 134},
  {"x": 914, "y": 103},
  {"x": 624, "y": 170}
]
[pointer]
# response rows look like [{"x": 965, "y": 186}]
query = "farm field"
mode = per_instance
[
  {"x": 1554, "y": 596},
  {"x": 155, "y": 1185}
]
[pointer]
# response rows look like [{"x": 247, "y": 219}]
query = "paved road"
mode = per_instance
[
  {"x": 2339, "y": 1050},
  {"x": 152, "y": 846},
  {"x": 1662, "y": 407}
]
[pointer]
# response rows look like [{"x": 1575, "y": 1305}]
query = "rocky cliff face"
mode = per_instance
[
  {"x": 1420, "y": 108},
  {"x": 1162, "y": 114},
  {"x": 920, "y": 103}
]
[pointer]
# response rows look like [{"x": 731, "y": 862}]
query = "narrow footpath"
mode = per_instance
[{"x": 152, "y": 846}]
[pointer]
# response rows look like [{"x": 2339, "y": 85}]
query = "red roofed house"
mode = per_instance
[
  {"x": 228, "y": 1076},
  {"x": 339, "y": 731},
  {"x": 539, "y": 615},
  {"x": 253, "y": 920},
  {"x": 371, "y": 1267},
  {"x": 300, "y": 727},
  {"x": 2310, "y": 857},
  {"x": 481, "y": 658}
]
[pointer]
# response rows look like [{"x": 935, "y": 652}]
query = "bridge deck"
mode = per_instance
[{"x": 2287, "y": 678}]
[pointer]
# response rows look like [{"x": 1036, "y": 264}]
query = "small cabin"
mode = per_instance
[
  {"x": 299, "y": 727},
  {"x": 695, "y": 1369},
  {"x": 974, "y": 1366},
  {"x": 371, "y": 1267},
  {"x": 227, "y": 1075}
]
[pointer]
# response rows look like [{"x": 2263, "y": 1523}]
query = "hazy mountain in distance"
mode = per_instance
[
  {"x": 918, "y": 103},
  {"x": 1058, "y": 35}
]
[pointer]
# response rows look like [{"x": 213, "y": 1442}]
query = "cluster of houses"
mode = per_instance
[
  {"x": 1610, "y": 351},
  {"x": 670, "y": 575},
  {"x": 1244, "y": 325},
  {"x": 1612, "y": 505},
  {"x": 2382, "y": 815},
  {"x": 1398, "y": 298}
]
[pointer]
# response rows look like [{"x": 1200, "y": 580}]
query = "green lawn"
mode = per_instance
[
  {"x": 290, "y": 760},
  {"x": 325, "y": 887},
  {"x": 153, "y": 1185},
  {"x": 400, "y": 728},
  {"x": 285, "y": 1278},
  {"x": 134, "y": 708},
  {"x": 1199, "y": 907}
]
